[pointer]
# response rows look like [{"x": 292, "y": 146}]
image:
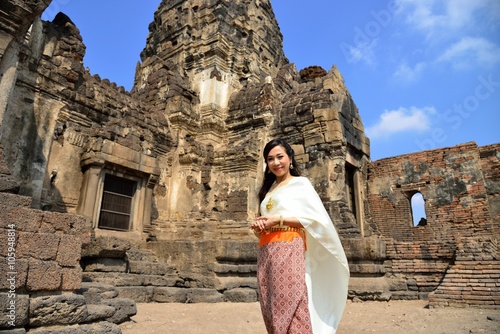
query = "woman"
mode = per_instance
[{"x": 302, "y": 271}]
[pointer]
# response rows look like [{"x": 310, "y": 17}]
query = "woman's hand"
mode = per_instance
[{"x": 264, "y": 222}]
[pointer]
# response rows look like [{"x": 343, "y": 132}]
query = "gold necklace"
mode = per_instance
[{"x": 270, "y": 203}]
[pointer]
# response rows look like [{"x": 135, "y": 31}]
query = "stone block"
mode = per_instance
[
  {"x": 232, "y": 282},
  {"x": 41, "y": 246},
  {"x": 170, "y": 295},
  {"x": 64, "y": 309},
  {"x": 397, "y": 284},
  {"x": 135, "y": 254},
  {"x": 155, "y": 280},
  {"x": 148, "y": 268},
  {"x": 99, "y": 312},
  {"x": 14, "y": 309},
  {"x": 13, "y": 200},
  {"x": 71, "y": 278},
  {"x": 236, "y": 251},
  {"x": 16, "y": 273},
  {"x": 241, "y": 295},
  {"x": 313, "y": 134},
  {"x": 326, "y": 114},
  {"x": 95, "y": 292},
  {"x": 68, "y": 254},
  {"x": 103, "y": 327},
  {"x": 371, "y": 248},
  {"x": 222, "y": 268},
  {"x": 333, "y": 132},
  {"x": 64, "y": 223},
  {"x": 106, "y": 247},
  {"x": 202, "y": 295},
  {"x": 24, "y": 219},
  {"x": 116, "y": 279},
  {"x": 9, "y": 201},
  {"x": 13, "y": 331},
  {"x": 105, "y": 265},
  {"x": 43, "y": 275},
  {"x": 140, "y": 294},
  {"x": 8, "y": 242},
  {"x": 125, "y": 308},
  {"x": 368, "y": 284}
]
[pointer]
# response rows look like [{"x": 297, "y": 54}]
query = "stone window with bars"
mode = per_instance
[{"x": 117, "y": 203}]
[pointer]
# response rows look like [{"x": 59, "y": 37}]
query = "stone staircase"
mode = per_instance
[
  {"x": 138, "y": 274},
  {"x": 134, "y": 273}
]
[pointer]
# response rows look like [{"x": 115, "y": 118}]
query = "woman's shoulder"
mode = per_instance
[{"x": 301, "y": 180}]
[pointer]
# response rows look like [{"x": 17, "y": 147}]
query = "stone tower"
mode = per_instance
[{"x": 217, "y": 45}]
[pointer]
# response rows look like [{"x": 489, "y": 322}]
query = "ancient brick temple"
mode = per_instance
[{"x": 112, "y": 197}]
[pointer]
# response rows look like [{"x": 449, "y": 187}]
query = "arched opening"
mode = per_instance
[{"x": 419, "y": 217}]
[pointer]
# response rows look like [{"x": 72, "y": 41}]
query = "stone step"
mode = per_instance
[
  {"x": 128, "y": 279},
  {"x": 98, "y": 312},
  {"x": 104, "y": 264},
  {"x": 9, "y": 201},
  {"x": 103, "y": 327},
  {"x": 135, "y": 254},
  {"x": 369, "y": 288},
  {"x": 94, "y": 292},
  {"x": 124, "y": 309},
  {"x": 150, "y": 268},
  {"x": 122, "y": 266}
]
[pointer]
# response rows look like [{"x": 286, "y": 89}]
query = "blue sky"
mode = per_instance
[{"x": 423, "y": 74}]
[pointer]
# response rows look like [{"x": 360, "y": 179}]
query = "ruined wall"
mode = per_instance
[
  {"x": 73, "y": 124},
  {"x": 453, "y": 187},
  {"x": 41, "y": 284},
  {"x": 490, "y": 164},
  {"x": 458, "y": 208}
]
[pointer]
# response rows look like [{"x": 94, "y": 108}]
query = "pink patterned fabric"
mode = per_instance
[{"x": 282, "y": 287}]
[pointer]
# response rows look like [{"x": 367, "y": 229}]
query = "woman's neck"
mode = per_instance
[{"x": 282, "y": 179}]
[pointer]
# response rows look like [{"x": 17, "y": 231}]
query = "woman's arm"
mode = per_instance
[{"x": 265, "y": 222}]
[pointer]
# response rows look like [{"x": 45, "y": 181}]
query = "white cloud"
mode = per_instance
[
  {"x": 405, "y": 73},
  {"x": 462, "y": 34},
  {"x": 439, "y": 19},
  {"x": 401, "y": 120},
  {"x": 471, "y": 51},
  {"x": 361, "y": 52}
]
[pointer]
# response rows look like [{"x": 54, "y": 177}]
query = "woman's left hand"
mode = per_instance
[{"x": 263, "y": 223}]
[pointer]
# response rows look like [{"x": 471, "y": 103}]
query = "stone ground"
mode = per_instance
[{"x": 394, "y": 317}]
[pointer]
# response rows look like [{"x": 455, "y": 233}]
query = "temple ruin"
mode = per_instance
[{"x": 110, "y": 197}]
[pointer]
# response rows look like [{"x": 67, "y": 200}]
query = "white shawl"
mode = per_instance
[{"x": 327, "y": 271}]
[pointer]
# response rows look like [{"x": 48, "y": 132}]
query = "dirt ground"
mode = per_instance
[{"x": 394, "y": 317}]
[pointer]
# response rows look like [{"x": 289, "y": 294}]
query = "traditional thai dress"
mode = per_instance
[{"x": 302, "y": 273}]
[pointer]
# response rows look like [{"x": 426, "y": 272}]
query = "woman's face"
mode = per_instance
[{"x": 278, "y": 162}]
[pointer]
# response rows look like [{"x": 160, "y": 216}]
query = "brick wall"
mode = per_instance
[
  {"x": 473, "y": 280},
  {"x": 453, "y": 187},
  {"x": 460, "y": 187}
]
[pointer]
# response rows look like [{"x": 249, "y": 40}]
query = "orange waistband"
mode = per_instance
[{"x": 283, "y": 235}]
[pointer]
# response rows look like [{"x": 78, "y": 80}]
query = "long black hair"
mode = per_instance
[{"x": 269, "y": 177}]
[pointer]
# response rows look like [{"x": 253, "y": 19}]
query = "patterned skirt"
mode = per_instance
[{"x": 282, "y": 287}]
